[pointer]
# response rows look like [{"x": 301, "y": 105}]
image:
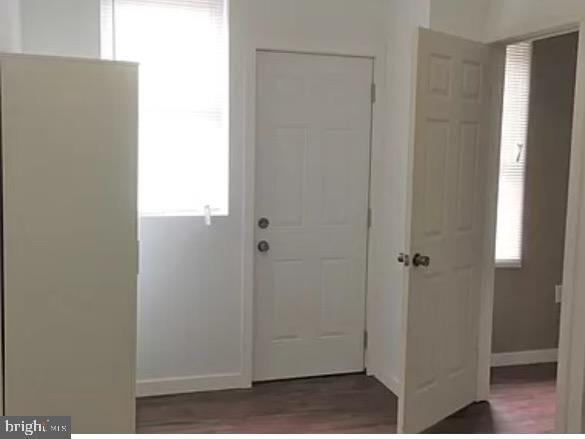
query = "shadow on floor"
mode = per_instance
[{"x": 475, "y": 419}]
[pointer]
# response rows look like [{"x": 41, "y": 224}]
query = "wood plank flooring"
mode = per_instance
[{"x": 522, "y": 401}]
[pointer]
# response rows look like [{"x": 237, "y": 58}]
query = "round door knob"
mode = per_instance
[
  {"x": 421, "y": 260},
  {"x": 263, "y": 246}
]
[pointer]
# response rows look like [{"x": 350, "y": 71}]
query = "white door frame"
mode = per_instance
[
  {"x": 377, "y": 55},
  {"x": 571, "y": 372}
]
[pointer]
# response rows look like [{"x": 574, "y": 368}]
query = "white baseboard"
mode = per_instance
[
  {"x": 175, "y": 386},
  {"x": 525, "y": 357},
  {"x": 390, "y": 382}
]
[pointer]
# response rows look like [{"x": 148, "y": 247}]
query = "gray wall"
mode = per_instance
[{"x": 525, "y": 315}]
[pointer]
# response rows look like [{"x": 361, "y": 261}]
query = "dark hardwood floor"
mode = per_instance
[{"x": 523, "y": 401}]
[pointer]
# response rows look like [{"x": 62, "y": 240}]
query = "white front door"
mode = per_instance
[
  {"x": 450, "y": 159},
  {"x": 312, "y": 179}
]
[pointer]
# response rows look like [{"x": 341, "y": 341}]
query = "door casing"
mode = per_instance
[
  {"x": 249, "y": 216},
  {"x": 571, "y": 370}
]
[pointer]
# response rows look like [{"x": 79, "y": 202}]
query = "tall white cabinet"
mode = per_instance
[{"x": 70, "y": 253}]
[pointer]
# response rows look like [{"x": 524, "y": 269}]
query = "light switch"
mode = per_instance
[{"x": 559, "y": 294}]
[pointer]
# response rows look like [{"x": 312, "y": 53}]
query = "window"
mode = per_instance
[
  {"x": 513, "y": 155},
  {"x": 182, "y": 48}
]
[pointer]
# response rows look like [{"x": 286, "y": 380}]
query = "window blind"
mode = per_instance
[
  {"x": 182, "y": 48},
  {"x": 513, "y": 154}
]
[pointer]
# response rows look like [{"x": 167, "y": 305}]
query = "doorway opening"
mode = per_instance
[{"x": 535, "y": 158}]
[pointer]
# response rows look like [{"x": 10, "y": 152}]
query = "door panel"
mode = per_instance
[
  {"x": 289, "y": 163},
  {"x": 313, "y": 152},
  {"x": 448, "y": 201}
]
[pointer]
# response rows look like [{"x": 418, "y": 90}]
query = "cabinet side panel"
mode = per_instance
[
  {"x": 70, "y": 221},
  {"x": 2, "y": 331}
]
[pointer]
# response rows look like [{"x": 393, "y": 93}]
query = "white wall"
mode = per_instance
[
  {"x": 190, "y": 300},
  {"x": 10, "y": 31},
  {"x": 464, "y": 18},
  {"x": 519, "y": 17},
  {"x": 326, "y": 23},
  {"x": 61, "y": 27},
  {"x": 495, "y": 20}
]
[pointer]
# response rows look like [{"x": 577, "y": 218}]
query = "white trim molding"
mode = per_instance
[
  {"x": 390, "y": 381},
  {"x": 176, "y": 386},
  {"x": 525, "y": 357}
]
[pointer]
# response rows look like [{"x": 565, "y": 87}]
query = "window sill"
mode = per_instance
[
  {"x": 222, "y": 214},
  {"x": 508, "y": 265}
]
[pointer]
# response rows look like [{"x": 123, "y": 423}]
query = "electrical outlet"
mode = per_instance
[{"x": 558, "y": 293}]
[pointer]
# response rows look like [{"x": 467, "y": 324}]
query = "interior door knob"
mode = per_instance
[
  {"x": 263, "y": 246},
  {"x": 421, "y": 260}
]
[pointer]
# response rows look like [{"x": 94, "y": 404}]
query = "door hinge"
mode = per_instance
[
  {"x": 373, "y": 93},
  {"x": 370, "y": 218},
  {"x": 365, "y": 339}
]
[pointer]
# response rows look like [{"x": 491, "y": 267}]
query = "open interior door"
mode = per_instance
[{"x": 450, "y": 165}]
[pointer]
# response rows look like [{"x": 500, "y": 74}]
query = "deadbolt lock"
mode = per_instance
[
  {"x": 263, "y": 223},
  {"x": 263, "y": 246}
]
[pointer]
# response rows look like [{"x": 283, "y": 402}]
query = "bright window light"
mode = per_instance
[
  {"x": 513, "y": 155},
  {"x": 182, "y": 48}
]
